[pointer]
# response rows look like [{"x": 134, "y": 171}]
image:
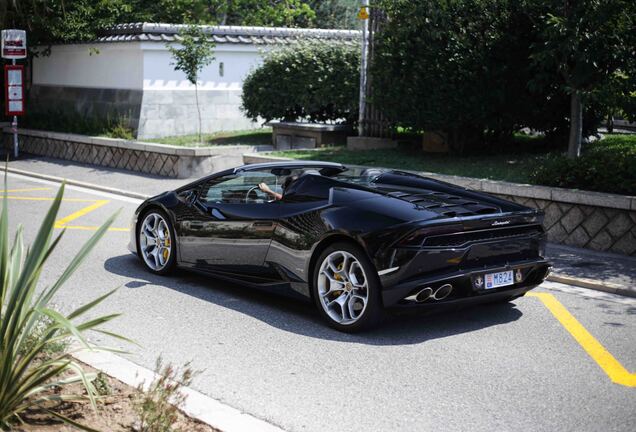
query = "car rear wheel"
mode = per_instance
[
  {"x": 346, "y": 288},
  {"x": 155, "y": 242}
]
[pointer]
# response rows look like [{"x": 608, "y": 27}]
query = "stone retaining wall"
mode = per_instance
[
  {"x": 149, "y": 158},
  {"x": 577, "y": 218}
]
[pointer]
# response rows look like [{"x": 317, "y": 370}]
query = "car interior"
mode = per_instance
[{"x": 305, "y": 183}]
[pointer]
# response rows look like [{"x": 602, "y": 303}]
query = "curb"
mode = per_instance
[
  {"x": 77, "y": 183},
  {"x": 197, "y": 405},
  {"x": 593, "y": 284}
]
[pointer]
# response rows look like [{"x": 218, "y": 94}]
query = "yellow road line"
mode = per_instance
[
  {"x": 24, "y": 190},
  {"x": 91, "y": 228},
  {"x": 25, "y": 198},
  {"x": 616, "y": 372},
  {"x": 82, "y": 212}
]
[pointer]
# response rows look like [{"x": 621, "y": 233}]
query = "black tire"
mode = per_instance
[
  {"x": 172, "y": 260},
  {"x": 373, "y": 313}
]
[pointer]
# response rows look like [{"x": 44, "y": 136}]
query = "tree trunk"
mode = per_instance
[
  {"x": 576, "y": 125},
  {"x": 610, "y": 122},
  {"x": 196, "y": 96}
]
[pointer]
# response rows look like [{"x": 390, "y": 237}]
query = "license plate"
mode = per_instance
[{"x": 496, "y": 280}]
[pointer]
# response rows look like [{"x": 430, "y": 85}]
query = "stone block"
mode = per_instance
[
  {"x": 435, "y": 142},
  {"x": 552, "y": 215},
  {"x": 626, "y": 244},
  {"x": 160, "y": 97},
  {"x": 594, "y": 222},
  {"x": 619, "y": 225},
  {"x": 556, "y": 234},
  {"x": 516, "y": 189},
  {"x": 591, "y": 198},
  {"x": 283, "y": 142},
  {"x": 572, "y": 219},
  {"x": 578, "y": 238},
  {"x": 602, "y": 242}
]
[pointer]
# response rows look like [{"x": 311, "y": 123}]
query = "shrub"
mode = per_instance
[
  {"x": 605, "y": 166},
  {"x": 66, "y": 121},
  {"x": 159, "y": 404},
  {"x": 307, "y": 81},
  {"x": 31, "y": 360}
]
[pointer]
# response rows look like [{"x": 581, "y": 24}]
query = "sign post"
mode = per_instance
[
  {"x": 14, "y": 47},
  {"x": 363, "y": 16}
]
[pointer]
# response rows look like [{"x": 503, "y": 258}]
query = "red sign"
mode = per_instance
[
  {"x": 14, "y": 44},
  {"x": 14, "y": 90}
]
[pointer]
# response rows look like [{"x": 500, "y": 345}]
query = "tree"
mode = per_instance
[
  {"x": 194, "y": 54},
  {"x": 51, "y": 21},
  {"x": 584, "y": 43},
  {"x": 336, "y": 14},
  {"x": 269, "y": 13},
  {"x": 459, "y": 67}
]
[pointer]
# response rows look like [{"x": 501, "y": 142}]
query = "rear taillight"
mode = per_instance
[{"x": 416, "y": 238}]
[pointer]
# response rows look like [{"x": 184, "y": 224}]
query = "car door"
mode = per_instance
[{"x": 231, "y": 224}]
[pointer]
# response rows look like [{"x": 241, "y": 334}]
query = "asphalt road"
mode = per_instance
[{"x": 498, "y": 367}]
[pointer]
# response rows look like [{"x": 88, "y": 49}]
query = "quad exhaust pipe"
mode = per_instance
[{"x": 426, "y": 293}]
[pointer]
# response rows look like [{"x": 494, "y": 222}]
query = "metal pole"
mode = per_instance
[
  {"x": 14, "y": 129},
  {"x": 363, "y": 74}
]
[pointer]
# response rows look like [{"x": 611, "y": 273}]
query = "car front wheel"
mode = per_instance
[
  {"x": 346, "y": 288},
  {"x": 155, "y": 242}
]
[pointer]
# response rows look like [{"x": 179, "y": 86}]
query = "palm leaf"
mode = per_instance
[{"x": 24, "y": 380}]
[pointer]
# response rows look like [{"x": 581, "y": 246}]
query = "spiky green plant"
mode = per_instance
[{"x": 27, "y": 375}]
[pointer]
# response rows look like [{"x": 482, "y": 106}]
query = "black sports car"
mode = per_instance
[{"x": 355, "y": 241}]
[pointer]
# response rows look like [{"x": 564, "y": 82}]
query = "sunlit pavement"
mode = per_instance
[{"x": 562, "y": 358}]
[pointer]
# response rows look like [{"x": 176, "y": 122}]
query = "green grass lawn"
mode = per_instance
[
  {"x": 510, "y": 167},
  {"x": 245, "y": 137},
  {"x": 515, "y": 165}
]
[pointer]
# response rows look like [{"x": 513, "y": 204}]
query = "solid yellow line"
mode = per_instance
[
  {"x": 24, "y": 190},
  {"x": 616, "y": 372},
  {"x": 91, "y": 228},
  {"x": 82, "y": 212},
  {"x": 24, "y": 198}
]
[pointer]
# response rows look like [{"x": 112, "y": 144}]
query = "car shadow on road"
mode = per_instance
[{"x": 300, "y": 317}]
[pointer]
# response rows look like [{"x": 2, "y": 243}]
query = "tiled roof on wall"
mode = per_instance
[{"x": 156, "y": 32}]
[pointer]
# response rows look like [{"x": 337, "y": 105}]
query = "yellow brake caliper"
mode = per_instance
[{"x": 166, "y": 243}]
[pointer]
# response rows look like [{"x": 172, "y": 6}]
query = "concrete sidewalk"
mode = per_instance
[
  {"x": 145, "y": 184},
  {"x": 574, "y": 266},
  {"x": 591, "y": 269}
]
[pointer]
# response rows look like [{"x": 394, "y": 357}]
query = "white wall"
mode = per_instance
[
  {"x": 139, "y": 77},
  {"x": 112, "y": 65},
  {"x": 136, "y": 65},
  {"x": 238, "y": 60}
]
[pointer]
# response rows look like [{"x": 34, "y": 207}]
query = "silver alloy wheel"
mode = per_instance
[
  {"x": 343, "y": 287},
  {"x": 155, "y": 242}
]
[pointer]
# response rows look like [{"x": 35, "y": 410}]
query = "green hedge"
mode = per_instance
[
  {"x": 307, "y": 81},
  {"x": 605, "y": 166}
]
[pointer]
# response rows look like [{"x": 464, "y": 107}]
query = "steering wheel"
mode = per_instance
[{"x": 251, "y": 191}]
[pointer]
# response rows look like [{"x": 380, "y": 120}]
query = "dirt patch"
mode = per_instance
[{"x": 115, "y": 412}]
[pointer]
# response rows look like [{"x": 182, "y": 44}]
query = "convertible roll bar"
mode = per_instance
[{"x": 289, "y": 165}]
